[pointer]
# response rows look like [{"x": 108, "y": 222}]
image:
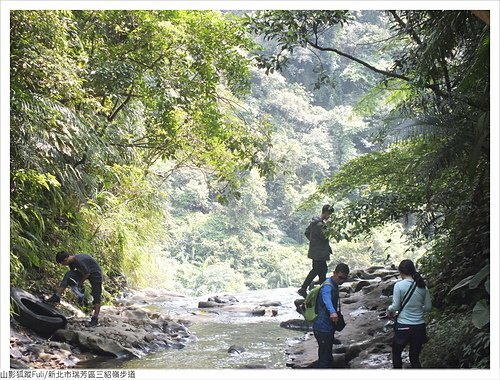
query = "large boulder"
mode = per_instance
[{"x": 95, "y": 343}]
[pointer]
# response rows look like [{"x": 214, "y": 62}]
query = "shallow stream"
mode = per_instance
[{"x": 263, "y": 340}]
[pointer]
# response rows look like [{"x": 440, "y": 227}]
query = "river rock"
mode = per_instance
[
  {"x": 206, "y": 304},
  {"x": 234, "y": 349},
  {"x": 259, "y": 311},
  {"x": 360, "y": 285},
  {"x": 97, "y": 344},
  {"x": 374, "y": 268},
  {"x": 270, "y": 303},
  {"x": 297, "y": 324},
  {"x": 223, "y": 299},
  {"x": 17, "y": 364}
]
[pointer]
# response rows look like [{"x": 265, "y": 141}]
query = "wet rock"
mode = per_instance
[
  {"x": 259, "y": 311},
  {"x": 174, "y": 327},
  {"x": 389, "y": 277},
  {"x": 95, "y": 343},
  {"x": 387, "y": 289},
  {"x": 339, "y": 349},
  {"x": 17, "y": 364},
  {"x": 356, "y": 273},
  {"x": 134, "y": 314},
  {"x": 270, "y": 303},
  {"x": 369, "y": 288},
  {"x": 234, "y": 349},
  {"x": 350, "y": 300},
  {"x": 36, "y": 348},
  {"x": 206, "y": 304},
  {"x": 223, "y": 299},
  {"x": 339, "y": 361},
  {"x": 15, "y": 353},
  {"x": 360, "y": 285},
  {"x": 297, "y": 324},
  {"x": 363, "y": 275}
]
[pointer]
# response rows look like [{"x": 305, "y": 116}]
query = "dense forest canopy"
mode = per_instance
[{"x": 188, "y": 149}]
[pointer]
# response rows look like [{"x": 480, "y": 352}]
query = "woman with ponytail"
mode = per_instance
[{"x": 410, "y": 325}]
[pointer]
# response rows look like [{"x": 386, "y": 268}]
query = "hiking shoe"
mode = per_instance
[
  {"x": 54, "y": 298},
  {"x": 93, "y": 322},
  {"x": 302, "y": 292}
]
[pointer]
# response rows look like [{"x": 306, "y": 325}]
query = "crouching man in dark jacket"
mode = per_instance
[{"x": 83, "y": 267}]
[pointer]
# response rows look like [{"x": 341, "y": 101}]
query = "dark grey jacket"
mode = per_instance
[
  {"x": 319, "y": 246},
  {"x": 86, "y": 264}
]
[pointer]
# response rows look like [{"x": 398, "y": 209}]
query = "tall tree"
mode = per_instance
[{"x": 97, "y": 94}]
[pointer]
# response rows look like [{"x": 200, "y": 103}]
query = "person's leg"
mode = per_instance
[
  {"x": 74, "y": 283},
  {"x": 399, "y": 342},
  {"x": 96, "y": 295},
  {"x": 321, "y": 269},
  {"x": 59, "y": 291},
  {"x": 312, "y": 273},
  {"x": 309, "y": 278},
  {"x": 97, "y": 309},
  {"x": 66, "y": 281},
  {"x": 325, "y": 349},
  {"x": 416, "y": 343},
  {"x": 397, "y": 350}
]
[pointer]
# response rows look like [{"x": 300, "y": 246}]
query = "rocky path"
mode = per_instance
[{"x": 126, "y": 330}]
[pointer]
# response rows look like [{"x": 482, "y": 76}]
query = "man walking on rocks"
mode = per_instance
[
  {"x": 319, "y": 249},
  {"x": 82, "y": 267},
  {"x": 324, "y": 325}
]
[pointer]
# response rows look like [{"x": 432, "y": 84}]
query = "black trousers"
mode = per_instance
[
  {"x": 415, "y": 335},
  {"x": 325, "y": 348},
  {"x": 319, "y": 268},
  {"x": 74, "y": 276}
]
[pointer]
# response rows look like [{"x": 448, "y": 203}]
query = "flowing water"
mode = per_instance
[
  {"x": 264, "y": 345},
  {"x": 262, "y": 338}
]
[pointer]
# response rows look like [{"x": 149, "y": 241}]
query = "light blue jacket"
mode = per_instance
[{"x": 419, "y": 303}]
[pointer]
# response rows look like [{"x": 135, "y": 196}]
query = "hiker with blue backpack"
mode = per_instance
[
  {"x": 411, "y": 299},
  {"x": 319, "y": 249},
  {"x": 328, "y": 316}
]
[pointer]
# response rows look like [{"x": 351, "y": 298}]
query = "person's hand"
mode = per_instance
[
  {"x": 391, "y": 314},
  {"x": 334, "y": 317}
]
